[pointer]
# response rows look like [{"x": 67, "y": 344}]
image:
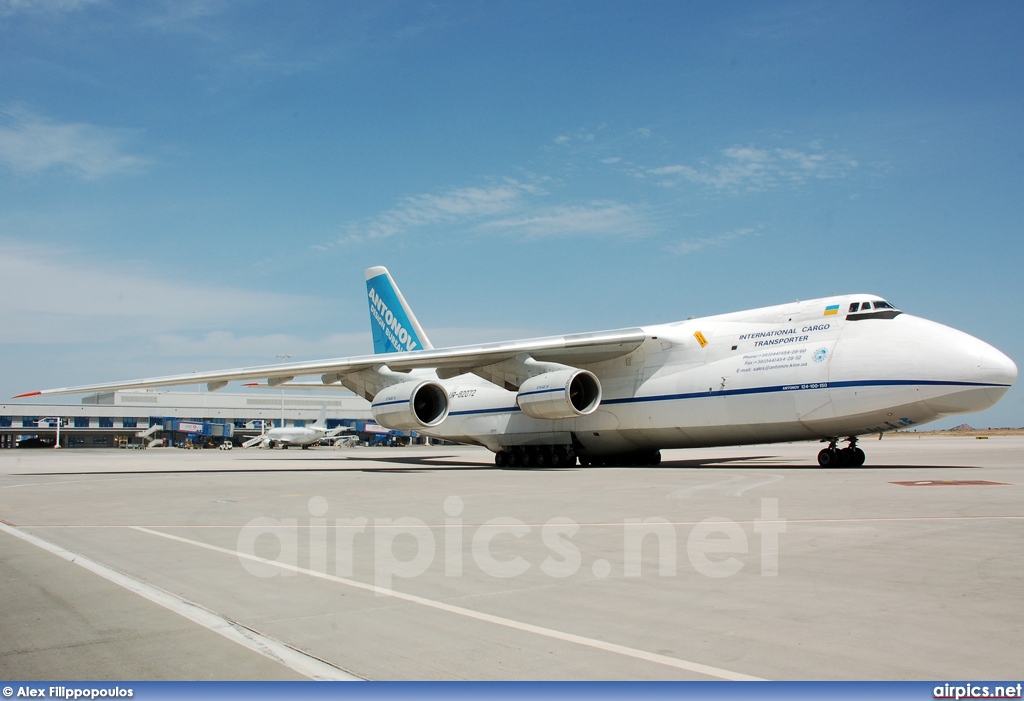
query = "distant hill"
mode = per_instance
[{"x": 961, "y": 430}]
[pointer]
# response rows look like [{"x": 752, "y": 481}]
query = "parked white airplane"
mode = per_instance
[
  {"x": 830, "y": 369},
  {"x": 305, "y": 436}
]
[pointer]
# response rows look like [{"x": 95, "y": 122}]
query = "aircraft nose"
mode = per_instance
[
  {"x": 963, "y": 374},
  {"x": 998, "y": 371},
  {"x": 979, "y": 375},
  {"x": 997, "y": 368}
]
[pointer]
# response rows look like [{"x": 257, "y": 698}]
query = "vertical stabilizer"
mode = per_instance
[
  {"x": 394, "y": 326},
  {"x": 322, "y": 421}
]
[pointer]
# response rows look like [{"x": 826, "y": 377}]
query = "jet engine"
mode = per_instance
[
  {"x": 563, "y": 394},
  {"x": 410, "y": 406}
]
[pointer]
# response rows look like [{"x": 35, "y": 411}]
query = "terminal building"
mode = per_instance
[{"x": 142, "y": 418}]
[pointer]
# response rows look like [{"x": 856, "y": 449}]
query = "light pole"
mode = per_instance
[
  {"x": 58, "y": 421},
  {"x": 282, "y": 356}
]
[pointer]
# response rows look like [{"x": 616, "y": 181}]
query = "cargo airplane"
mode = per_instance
[{"x": 831, "y": 369}]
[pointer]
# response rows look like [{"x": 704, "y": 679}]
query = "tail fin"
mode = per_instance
[
  {"x": 322, "y": 421},
  {"x": 394, "y": 326}
]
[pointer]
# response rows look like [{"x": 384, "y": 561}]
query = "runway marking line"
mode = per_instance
[
  {"x": 952, "y": 483},
  {"x": 623, "y": 524},
  {"x": 697, "y": 667},
  {"x": 293, "y": 659}
]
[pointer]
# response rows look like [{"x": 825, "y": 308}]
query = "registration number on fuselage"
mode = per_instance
[{"x": 812, "y": 385}]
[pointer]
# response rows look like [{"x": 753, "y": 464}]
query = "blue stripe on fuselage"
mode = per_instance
[{"x": 803, "y": 387}]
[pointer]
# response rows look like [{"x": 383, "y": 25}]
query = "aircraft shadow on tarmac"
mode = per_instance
[
  {"x": 447, "y": 462},
  {"x": 442, "y": 463}
]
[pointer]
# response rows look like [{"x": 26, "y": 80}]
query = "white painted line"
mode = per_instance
[
  {"x": 279, "y": 652},
  {"x": 621, "y": 524},
  {"x": 686, "y": 665}
]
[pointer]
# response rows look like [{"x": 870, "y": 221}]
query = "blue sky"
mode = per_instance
[{"x": 197, "y": 185}]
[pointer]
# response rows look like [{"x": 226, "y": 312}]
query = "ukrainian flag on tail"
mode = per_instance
[{"x": 832, "y": 310}]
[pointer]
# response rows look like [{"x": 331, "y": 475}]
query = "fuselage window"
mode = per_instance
[{"x": 883, "y": 305}]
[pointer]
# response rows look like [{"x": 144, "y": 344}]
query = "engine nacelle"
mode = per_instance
[
  {"x": 410, "y": 406},
  {"x": 563, "y": 394}
]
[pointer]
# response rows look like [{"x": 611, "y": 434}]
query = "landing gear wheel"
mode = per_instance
[
  {"x": 515, "y": 458},
  {"x": 858, "y": 457},
  {"x": 827, "y": 458},
  {"x": 501, "y": 458},
  {"x": 540, "y": 459},
  {"x": 557, "y": 458}
]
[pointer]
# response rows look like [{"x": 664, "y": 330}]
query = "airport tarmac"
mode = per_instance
[{"x": 430, "y": 563}]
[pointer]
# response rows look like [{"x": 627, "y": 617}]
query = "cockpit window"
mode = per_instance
[{"x": 863, "y": 310}]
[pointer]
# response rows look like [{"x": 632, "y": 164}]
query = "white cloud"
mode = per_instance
[
  {"x": 685, "y": 246},
  {"x": 31, "y": 144},
  {"x": 747, "y": 168},
  {"x": 505, "y": 208},
  {"x": 70, "y": 322},
  {"x": 185, "y": 16},
  {"x": 228, "y": 345},
  {"x": 72, "y": 300},
  {"x": 594, "y": 218},
  {"x": 458, "y": 205},
  {"x": 15, "y": 7},
  {"x": 584, "y": 136},
  {"x": 686, "y": 171}
]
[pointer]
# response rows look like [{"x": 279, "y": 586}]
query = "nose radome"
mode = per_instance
[
  {"x": 967, "y": 374},
  {"x": 997, "y": 368}
]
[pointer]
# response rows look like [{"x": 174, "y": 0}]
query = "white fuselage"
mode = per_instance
[
  {"x": 783, "y": 373},
  {"x": 295, "y": 435}
]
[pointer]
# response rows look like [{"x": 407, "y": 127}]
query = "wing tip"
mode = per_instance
[{"x": 27, "y": 394}]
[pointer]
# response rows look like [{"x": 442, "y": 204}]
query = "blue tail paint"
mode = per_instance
[{"x": 394, "y": 326}]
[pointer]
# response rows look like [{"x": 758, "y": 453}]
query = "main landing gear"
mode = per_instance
[
  {"x": 536, "y": 456},
  {"x": 565, "y": 456},
  {"x": 850, "y": 456}
]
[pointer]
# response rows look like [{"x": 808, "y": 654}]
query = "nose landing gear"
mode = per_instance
[{"x": 850, "y": 456}]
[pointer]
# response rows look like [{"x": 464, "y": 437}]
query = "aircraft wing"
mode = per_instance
[
  {"x": 573, "y": 349},
  {"x": 275, "y": 374}
]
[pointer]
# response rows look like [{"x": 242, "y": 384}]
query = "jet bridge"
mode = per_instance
[{"x": 199, "y": 431}]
